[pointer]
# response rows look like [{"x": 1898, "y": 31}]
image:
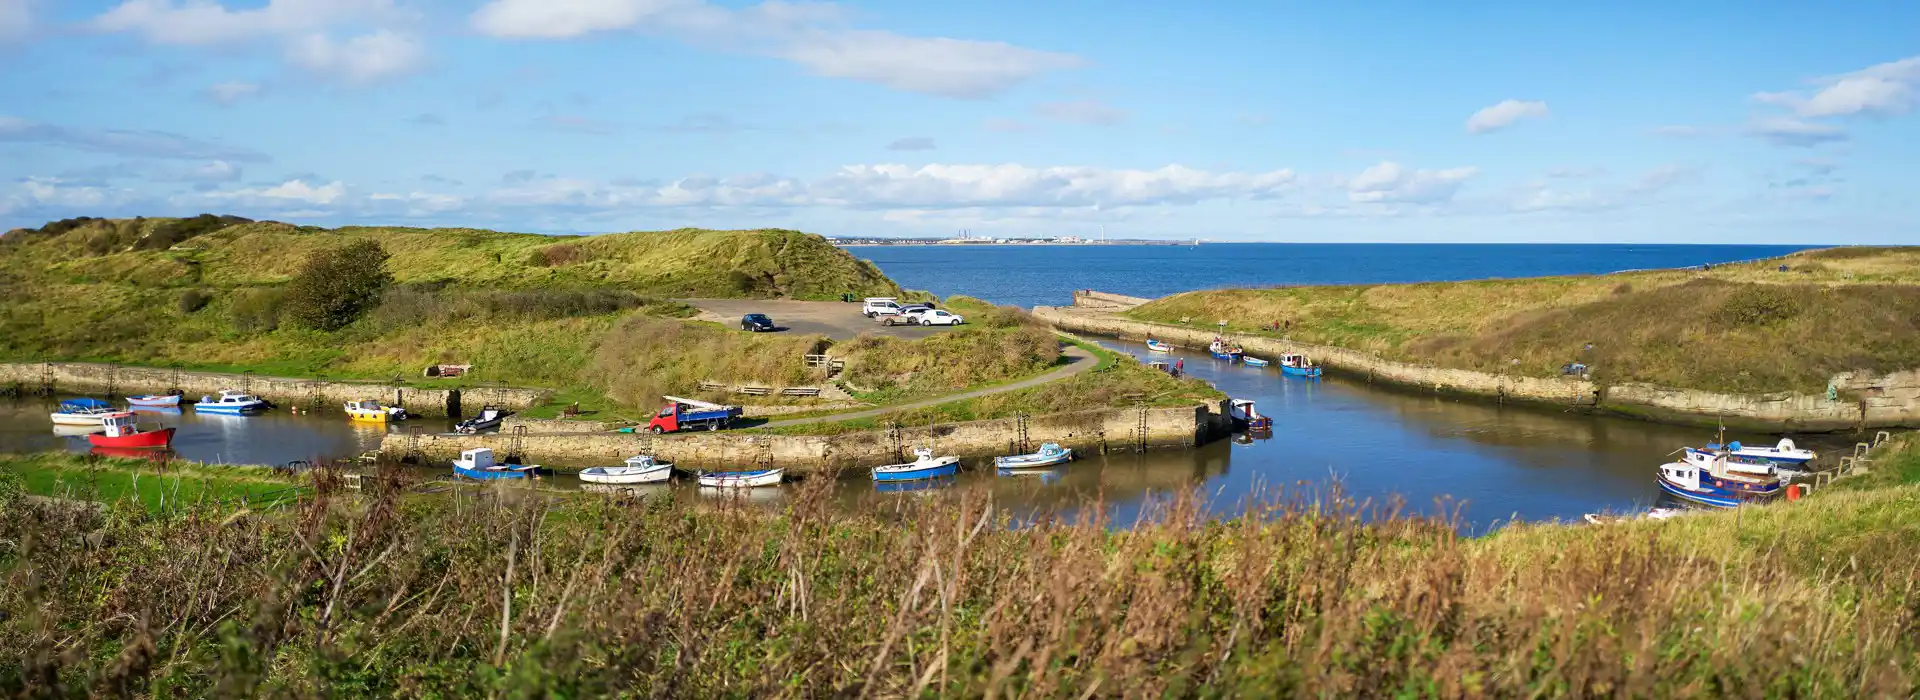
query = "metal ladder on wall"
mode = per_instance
[
  {"x": 516, "y": 445},
  {"x": 46, "y": 379},
  {"x": 1140, "y": 432},
  {"x": 896, "y": 441}
]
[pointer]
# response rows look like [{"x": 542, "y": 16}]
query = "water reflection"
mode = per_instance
[{"x": 274, "y": 437}]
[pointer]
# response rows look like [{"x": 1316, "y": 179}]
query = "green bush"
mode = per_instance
[
  {"x": 337, "y": 285},
  {"x": 1758, "y": 305},
  {"x": 193, "y": 300},
  {"x": 256, "y": 310}
]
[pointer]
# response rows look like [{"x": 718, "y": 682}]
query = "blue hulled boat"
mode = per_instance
[
  {"x": 231, "y": 403},
  {"x": 1297, "y": 365},
  {"x": 1224, "y": 350},
  {"x": 1049, "y": 455},
  {"x": 924, "y": 466},
  {"x": 1709, "y": 479},
  {"x": 478, "y": 463}
]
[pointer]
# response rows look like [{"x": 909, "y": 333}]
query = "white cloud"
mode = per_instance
[
  {"x": 16, "y": 19},
  {"x": 362, "y": 59},
  {"x": 56, "y": 192},
  {"x": 302, "y": 28},
  {"x": 231, "y": 92},
  {"x": 1090, "y": 112},
  {"x": 1504, "y": 114},
  {"x": 1788, "y": 131},
  {"x": 216, "y": 171},
  {"x": 812, "y": 35},
  {"x": 1885, "y": 89},
  {"x": 289, "y": 192},
  {"x": 1392, "y": 182}
]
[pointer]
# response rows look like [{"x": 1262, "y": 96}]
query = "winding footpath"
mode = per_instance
[{"x": 1078, "y": 360}]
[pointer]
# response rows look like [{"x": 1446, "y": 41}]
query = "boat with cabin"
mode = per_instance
[
  {"x": 1298, "y": 365},
  {"x": 372, "y": 411},
  {"x": 83, "y": 412},
  {"x": 1050, "y": 454},
  {"x": 742, "y": 479},
  {"x": 122, "y": 430},
  {"x": 488, "y": 419},
  {"x": 1709, "y": 479},
  {"x": 1224, "y": 350},
  {"x": 1245, "y": 417},
  {"x": 923, "y": 466},
  {"x": 1783, "y": 453},
  {"x": 639, "y": 469},
  {"x": 478, "y": 463},
  {"x": 154, "y": 400},
  {"x": 232, "y": 403}
]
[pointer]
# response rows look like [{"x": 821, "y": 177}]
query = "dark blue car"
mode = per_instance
[{"x": 756, "y": 323}]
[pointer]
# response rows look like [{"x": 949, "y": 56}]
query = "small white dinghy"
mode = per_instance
[
  {"x": 1050, "y": 455},
  {"x": 640, "y": 469},
  {"x": 742, "y": 480}
]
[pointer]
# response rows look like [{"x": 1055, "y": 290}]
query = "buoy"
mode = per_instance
[{"x": 1793, "y": 492}]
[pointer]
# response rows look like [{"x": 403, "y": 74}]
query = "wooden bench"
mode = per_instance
[
  {"x": 800, "y": 391},
  {"x": 757, "y": 390},
  {"x": 712, "y": 386}
]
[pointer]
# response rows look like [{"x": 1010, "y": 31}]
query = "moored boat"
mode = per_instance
[
  {"x": 154, "y": 400},
  {"x": 1708, "y": 480},
  {"x": 923, "y": 466},
  {"x": 639, "y": 469},
  {"x": 1784, "y": 453},
  {"x": 742, "y": 479},
  {"x": 1157, "y": 346},
  {"x": 1050, "y": 454},
  {"x": 1246, "y": 418},
  {"x": 374, "y": 412},
  {"x": 87, "y": 412},
  {"x": 488, "y": 419},
  {"x": 1252, "y": 361},
  {"x": 231, "y": 403},
  {"x": 478, "y": 463},
  {"x": 1297, "y": 365},
  {"x": 123, "y": 431},
  {"x": 1224, "y": 350}
]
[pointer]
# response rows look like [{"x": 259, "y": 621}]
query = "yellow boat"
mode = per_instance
[{"x": 373, "y": 412}]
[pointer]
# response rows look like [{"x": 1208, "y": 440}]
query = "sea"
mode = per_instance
[{"x": 1047, "y": 275}]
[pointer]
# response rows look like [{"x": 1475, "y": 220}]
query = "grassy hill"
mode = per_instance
[{"x": 1742, "y": 327}]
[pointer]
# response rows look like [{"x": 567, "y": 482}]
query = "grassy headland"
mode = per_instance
[
  {"x": 1740, "y": 327},
  {"x": 475, "y": 594}
]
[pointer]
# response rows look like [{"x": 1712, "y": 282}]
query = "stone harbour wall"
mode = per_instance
[
  {"x": 1085, "y": 431},
  {"x": 68, "y": 378},
  {"x": 1863, "y": 401}
]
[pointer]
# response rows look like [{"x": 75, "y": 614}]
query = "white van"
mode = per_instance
[{"x": 880, "y": 306}]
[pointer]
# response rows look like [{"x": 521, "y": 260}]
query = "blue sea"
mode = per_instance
[{"x": 1047, "y": 275}]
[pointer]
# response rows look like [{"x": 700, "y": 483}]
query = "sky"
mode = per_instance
[{"x": 1695, "y": 122}]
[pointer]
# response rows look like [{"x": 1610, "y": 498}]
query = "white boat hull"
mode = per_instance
[
  {"x": 90, "y": 419},
  {"x": 742, "y": 480},
  {"x": 627, "y": 475}
]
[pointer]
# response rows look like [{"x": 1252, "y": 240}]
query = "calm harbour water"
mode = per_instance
[
  {"x": 1494, "y": 462},
  {"x": 1047, "y": 275}
]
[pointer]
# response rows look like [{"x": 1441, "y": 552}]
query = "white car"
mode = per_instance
[
  {"x": 880, "y": 306},
  {"x": 937, "y": 317}
]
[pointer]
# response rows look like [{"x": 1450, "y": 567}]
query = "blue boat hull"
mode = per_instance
[
  {"x": 1031, "y": 461},
  {"x": 1716, "y": 497},
  {"x": 1225, "y": 356},
  {"x": 1253, "y": 362},
  {"x": 1300, "y": 372},
  {"x": 918, "y": 474},
  {"x": 228, "y": 410},
  {"x": 490, "y": 474}
]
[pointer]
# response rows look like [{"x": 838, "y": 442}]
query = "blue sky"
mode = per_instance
[{"x": 1492, "y": 121}]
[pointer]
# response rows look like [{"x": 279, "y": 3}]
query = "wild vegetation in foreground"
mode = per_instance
[
  {"x": 484, "y": 593},
  {"x": 1741, "y": 327}
]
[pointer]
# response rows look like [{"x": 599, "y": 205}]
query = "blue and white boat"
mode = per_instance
[
  {"x": 1297, "y": 365},
  {"x": 83, "y": 412},
  {"x": 1245, "y": 417},
  {"x": 1784, "y": 454},
  {"x": 923, "y": 466},
  {"x": 1707, "y": 479},
  {"x": 478, "y": 463},
  {"x": 1157, "y": 346},
  {"x": 1050, "y": 454},
  {"x": 742, "y": 479},
  {"x": 1221, "y": 349},
  {"x": 231, "y": 403},
  {"x": 1252, "y": 361}
]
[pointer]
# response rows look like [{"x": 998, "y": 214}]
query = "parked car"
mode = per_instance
[
  {"x": 939, "y": 317},
  {"x": 880, "y": 306},
  {"x": 756, "y": 323}
]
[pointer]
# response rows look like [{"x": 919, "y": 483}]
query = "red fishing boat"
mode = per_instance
[{"x": 123, "y": 431}]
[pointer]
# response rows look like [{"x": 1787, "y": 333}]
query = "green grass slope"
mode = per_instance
[{"x": 1743, "y": 327}]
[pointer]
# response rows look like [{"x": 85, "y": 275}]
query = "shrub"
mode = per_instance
[
  {"x": 193, "y": 300},
  {"x": 256, "y": 310},
  {"x": 337, "y": 285},
  {"x": 172, "y": 233},
  {"x": 1757, "y": 305},
  {"x": 1624, "y": 288},
  {"x": 556, "y": 255}
]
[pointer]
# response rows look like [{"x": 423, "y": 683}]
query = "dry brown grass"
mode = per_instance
[{"x": 486, "y": 593}]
